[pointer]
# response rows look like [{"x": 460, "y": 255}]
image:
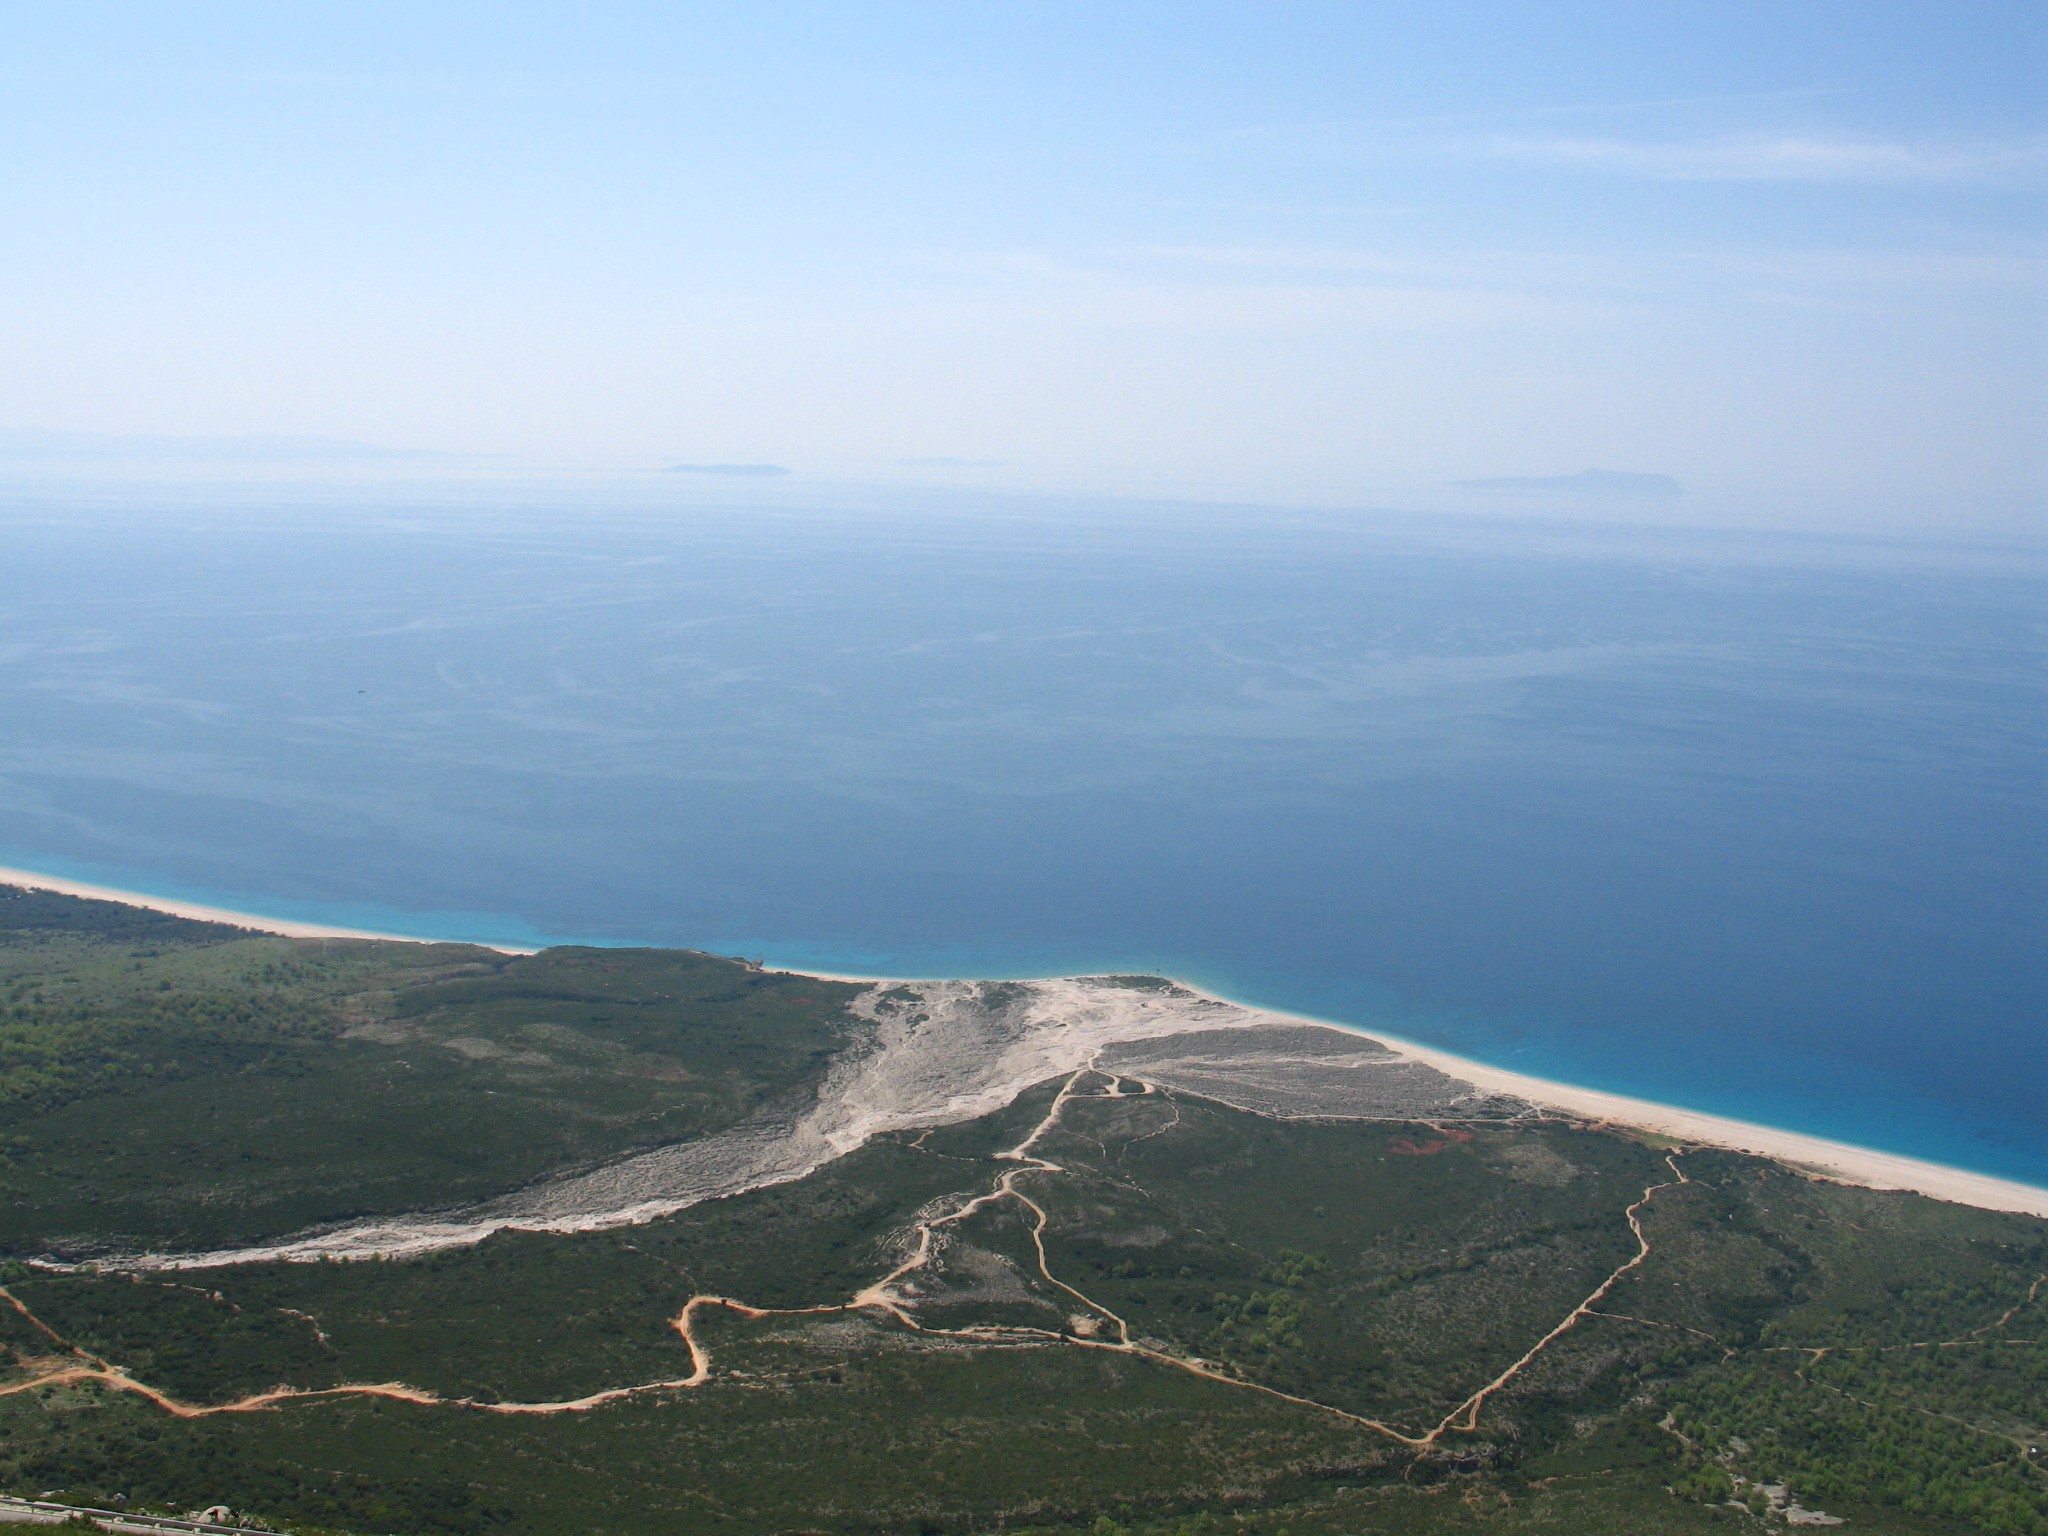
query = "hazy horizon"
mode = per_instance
[{"x": 1787, "y": 261}]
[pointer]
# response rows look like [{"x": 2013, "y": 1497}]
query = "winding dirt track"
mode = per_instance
[{"x": 79, "y": 1365}]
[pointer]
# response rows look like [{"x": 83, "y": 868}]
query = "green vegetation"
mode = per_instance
[
  {"x": 187, "y": 1085},
  {"x": 1786, "y": 1341},
  {"x": 1919, "y": 1382}
]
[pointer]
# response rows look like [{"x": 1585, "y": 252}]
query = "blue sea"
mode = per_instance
[{"x": 1755, "y": 824}]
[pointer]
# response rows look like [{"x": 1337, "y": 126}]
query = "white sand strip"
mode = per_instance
[
  {"x": 1835, "y": 1159},
  {"x": 283, "y": 927}
]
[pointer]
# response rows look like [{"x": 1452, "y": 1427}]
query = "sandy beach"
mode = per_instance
[
  {"x": 283, "y": 927},
  {"x": 1832, "y": 1159}
]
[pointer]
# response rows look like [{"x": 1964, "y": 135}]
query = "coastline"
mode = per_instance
[
  {"x": 282, "y": 927},
  {"x": 1839, "y": 1160},
  {"x": 1811, "y": 1154}
]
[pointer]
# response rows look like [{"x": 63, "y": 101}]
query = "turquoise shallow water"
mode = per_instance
[{"x": 1757, "y": 826}]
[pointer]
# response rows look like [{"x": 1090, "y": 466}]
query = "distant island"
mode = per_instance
[
  {"x": 347, "y": 1233},
  {"x": 727, "y": 469}
]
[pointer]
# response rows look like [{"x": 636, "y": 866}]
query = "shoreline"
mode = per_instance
[
  {"x": 1839, "y": 1160},
  {"x": 281, "y": 927},
  {"x": 1842, "y": 1161}
]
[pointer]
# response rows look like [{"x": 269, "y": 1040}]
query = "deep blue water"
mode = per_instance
[{"x": 1754, "y": 825}]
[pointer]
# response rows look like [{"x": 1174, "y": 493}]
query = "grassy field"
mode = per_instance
[{"x": 1879, "y": 1357}]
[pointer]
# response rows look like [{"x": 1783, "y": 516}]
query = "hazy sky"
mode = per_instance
[{"x": 1789, "y": 254}]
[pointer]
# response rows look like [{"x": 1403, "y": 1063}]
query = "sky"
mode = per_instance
[{"x": 1787, "y": 255}]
